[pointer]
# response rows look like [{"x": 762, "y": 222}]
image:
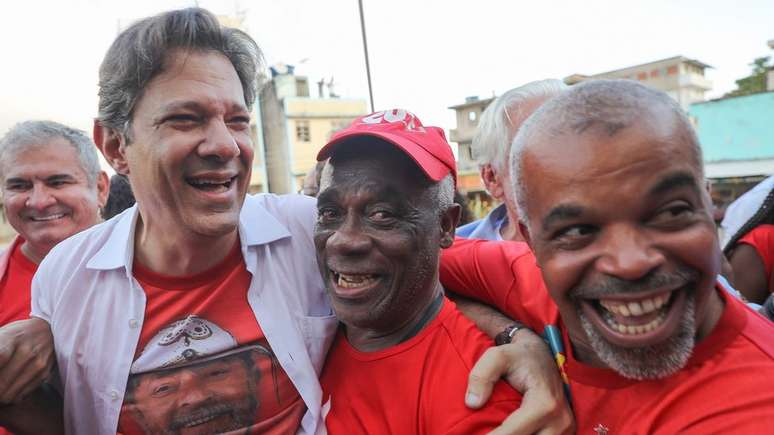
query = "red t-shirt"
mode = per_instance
[
  {"x": 15, "y": 290},
  {"x": 15, "y": 287},
  {"x": 203, "y": 364},
  {"x": 727, "y": 385},
  {"x": 762, "y": 239},
  {"x": 416, "y": 387}
]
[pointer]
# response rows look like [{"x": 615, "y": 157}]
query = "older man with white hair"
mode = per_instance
[
  {"x": 499, "y": 124},
  {"x": 52, "y": 187}
]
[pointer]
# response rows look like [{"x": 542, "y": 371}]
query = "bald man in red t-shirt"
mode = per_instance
[{"x": 622, "y": 260}]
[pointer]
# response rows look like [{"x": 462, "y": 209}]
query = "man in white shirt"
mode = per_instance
[{"x": 196, "y": 271}]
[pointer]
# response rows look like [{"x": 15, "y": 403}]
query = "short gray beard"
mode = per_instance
[{"x": 651, "y": 362}]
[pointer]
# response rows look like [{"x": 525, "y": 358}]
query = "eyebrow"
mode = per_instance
[
  {"x": 333, "y": 194},
  {"x": 195, "y": 106},
  {"x": 54, "y": 177},
  {"x": 674, "y": 181},
  {"x": 327, "y": 196},
  {"x": 562, "y": 212}
]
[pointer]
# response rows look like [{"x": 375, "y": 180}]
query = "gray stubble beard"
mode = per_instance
[{"x": 650, "y": 362}]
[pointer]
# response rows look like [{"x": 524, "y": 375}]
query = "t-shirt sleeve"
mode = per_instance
[
  {"x": 762, "y": 239},
  {"x": 501, "y": 274},
  {"x": 484, "y": 420},
  {"x": 472, "y": 268}
]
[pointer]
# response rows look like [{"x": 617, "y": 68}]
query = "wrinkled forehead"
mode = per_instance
[
  {"x": 376, "y": 176},
  {"x": 605, "y": 147},
  {"x": 595, "y": 165},
  {"x": 379, "y": 162},
  {"x": 25, "y": 156}
]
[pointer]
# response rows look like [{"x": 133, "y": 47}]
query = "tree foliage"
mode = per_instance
[{"x": 756, "y": 81}]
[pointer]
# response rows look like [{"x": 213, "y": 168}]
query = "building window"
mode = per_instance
[
  {"x": 672, "y": 70},
  {"x": 654, "y": 73},
  {"x": 642, "y": 76},
  {"x": 302, "y": 131},
  {"x": 472, "y": 116}
]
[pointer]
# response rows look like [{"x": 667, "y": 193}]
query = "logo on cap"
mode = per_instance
[{"x": 406, "y": 118}]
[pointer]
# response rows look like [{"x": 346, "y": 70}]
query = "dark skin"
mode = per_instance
[
  {"x": 38, "y": 413},
  {"x": 359, "y": 232},
  {"x": 647, "y": 212},
  {"x": 750, "y": 274},
  {"x": 378, "y": 225}
]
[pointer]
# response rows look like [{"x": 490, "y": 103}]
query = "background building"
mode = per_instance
[
  {"x": 681, "y": 78},
  {"x": 295, "y": 126},
  {"x": 468, "y": 176},
  {"x": 737, "y": 139}
]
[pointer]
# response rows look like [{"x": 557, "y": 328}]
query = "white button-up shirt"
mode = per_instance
[{"x": 85, "y": 289}]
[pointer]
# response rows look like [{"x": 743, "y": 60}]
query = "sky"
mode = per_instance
[{"x": 426, "y": 55}]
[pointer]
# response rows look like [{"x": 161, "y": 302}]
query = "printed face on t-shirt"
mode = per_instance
[
  {"x": 621, "y": 228},
  {"x": 213, "y": 396}
]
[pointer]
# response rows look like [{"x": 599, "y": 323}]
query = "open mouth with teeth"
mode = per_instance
[
  {"x": 634, "y": 322},
  {"x": 211, "y": 184},
  {"x": 47, "y": 218},
  {"x": 353, "y": 285}
]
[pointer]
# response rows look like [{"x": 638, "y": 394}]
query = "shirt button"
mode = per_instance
[
  {"x": 133, "y": 323},
  {"x": 114, "y": 394}
]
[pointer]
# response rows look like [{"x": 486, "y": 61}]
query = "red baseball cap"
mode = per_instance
[{"x": 427, "y": 146}]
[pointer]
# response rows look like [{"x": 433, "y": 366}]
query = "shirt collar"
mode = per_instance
[
  {"x": 256, "y": 227},
  {"x": 118, "y": 249},
  {"x": 489, "y": 227}
]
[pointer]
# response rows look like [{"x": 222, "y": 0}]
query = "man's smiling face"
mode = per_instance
[
  {"x": 378, "y": 238},
  {"x": 48, "y": 196},
  {"x": 621, "y": 226},
  {"x": 190, "y": 154}
]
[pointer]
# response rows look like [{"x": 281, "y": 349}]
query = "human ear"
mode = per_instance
[
  {"x": 492, "y": 182},
  {"x": 103, "y": 188},
  {"x": 449, "y": 221},
  {"x": 112, "y": 145}
]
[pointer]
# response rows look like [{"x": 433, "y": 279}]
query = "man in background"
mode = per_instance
[
  {"x": 52, "y": 187},
  {"x": 498, "y": 126}
]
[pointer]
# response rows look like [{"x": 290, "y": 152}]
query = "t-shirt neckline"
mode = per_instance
[
  {"x": 148, "y": 277},
  {"x": 728, "y": 327}
]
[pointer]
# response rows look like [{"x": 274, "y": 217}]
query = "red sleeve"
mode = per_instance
[
  {"x": 762, "y": 239},
  {"x": 502, "y": 274},
  {"x": 485, "y": 420}
]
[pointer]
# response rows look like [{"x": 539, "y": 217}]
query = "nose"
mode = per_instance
[
  {"x": 192, "y": 391},
  {"x": 40, "y": 198},
  {"x": 628, "y": 254},
  {"x": 220, "y": 143},
  {"x": 349, "y": 239}
]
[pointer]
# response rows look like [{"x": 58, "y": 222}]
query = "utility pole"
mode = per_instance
[{"x": 365, "y": 51}]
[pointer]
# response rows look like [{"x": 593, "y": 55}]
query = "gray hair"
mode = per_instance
[
  {"x": 502, "y": 119},
  {"x": 443, "y": 191},
  {"x": 30, "y": 134},
  {"x": 606, "y": 105},
  {"x": 139, "y": 52}
]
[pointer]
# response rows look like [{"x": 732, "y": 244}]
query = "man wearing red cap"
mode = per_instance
[
  {"x": 401, "y": 360},
  {"x": 124, "y": 299}
]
